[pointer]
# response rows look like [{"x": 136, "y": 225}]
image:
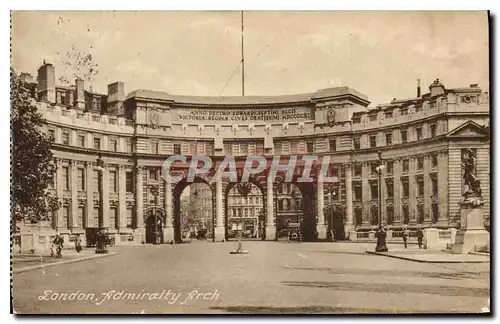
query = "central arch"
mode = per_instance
[{"x": 258, "y": 230}]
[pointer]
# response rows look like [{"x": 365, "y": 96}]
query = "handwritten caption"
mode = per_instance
[{"x": 169, "y": 296}]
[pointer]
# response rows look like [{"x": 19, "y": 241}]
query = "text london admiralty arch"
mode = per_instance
[{"x": 110, "y": 148}]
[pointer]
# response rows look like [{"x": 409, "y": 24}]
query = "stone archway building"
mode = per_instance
[{"x": 419, "y": 138}]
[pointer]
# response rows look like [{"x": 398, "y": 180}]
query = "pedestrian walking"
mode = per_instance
[
  {"x": 58, "y": 243},
  {"x": 78, "y": 243},
  {"x": 420, "y": 237},
  {"x": 406, "y": 233}
]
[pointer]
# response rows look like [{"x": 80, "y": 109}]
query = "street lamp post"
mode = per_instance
[
  {"x": 154, "y": 192},
  {"x": 101, "y": 238},
  {"x": 381, "y": 233}
]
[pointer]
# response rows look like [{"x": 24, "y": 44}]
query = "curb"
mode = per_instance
[
  {"x": 422, "y": 261},
  {"x": 97, "y": 256}
]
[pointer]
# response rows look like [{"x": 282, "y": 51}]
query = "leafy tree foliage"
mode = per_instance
[
  {"x": 32, "y": 166},
  {"x": 77, "y": 64}
]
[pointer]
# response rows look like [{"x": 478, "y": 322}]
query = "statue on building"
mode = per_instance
[{"x": 473, "y": 186}]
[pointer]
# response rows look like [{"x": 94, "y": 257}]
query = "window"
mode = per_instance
[
  {"x": 420, "y": 186},
  {"x": 357, "y": 143},
  {"x": 52, "y": 134},
  {"x": 373, "y": 141},
  {"x": 177, "y": 149},
  {"x": 373, "y": 168},
  {"x": 113, "y": 145},
  {"x": 390, "y": 167},
  {"x": 357, "y": 170},
  {"x": 406, "y": 187},
  {"x": 81, "y": 179},
  {"x": 153, "y": 175},
  {"x": 129, "y": 217},
  {"x": 65, "y": 138},
  {"x": 390, "y": 214},
  {"x": 420, "y": 211},
  {"x": 112, "y": 217},
  {"x": 406, "y": 214},
  {"x": 81, "y": 140},
  {"x": 96, "y": 217},
  {"x": 95, "y": 180},
  {"x": 80, "y": 217},
  {"x": 388, "y": 138},
  {"x": 358, "y": 215},
  {"x": 112, "y": 181},
  {"x": 66, "y": 216},
  {"x": 333, "y": 145},
  {"x": 435, "y": 187},
  {"x": 335, "y": 193},
  {"x": 418, "y": 131},
  {"x": 434, "y": 160},
  {"x": 404, "y": 136},
  {"x": 433, "y": 128},
  {"x": 403, "y": 111},
  {"x": 406, "y": 165},
  {"x": 128, "y": 146},
  {"x": 372, "y": 117},
  {"x": 388, "y": 114},
  {"x": 418, "y": 109},
  {"x": 390, "y": 188},
  {"x": 374, "y": 190},
  {"x": 154, "y": 147},
  {"x": 310, "y": 147},
  {"x": 374, "y": 215},
  {"x": 97, "y": 143},
  {"x": 65, "y": 175},
  {"x": 356, "y": 120},
  {"x": 435, "y": 212},
  {"x": 358, "y": 193},
  {"x": 129, "y": 182},
  {"x": 295, "y": 145},
  {"x": 420, "y": 163}
]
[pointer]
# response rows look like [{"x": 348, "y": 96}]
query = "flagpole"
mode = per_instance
[{"x": 242, "y": 60}]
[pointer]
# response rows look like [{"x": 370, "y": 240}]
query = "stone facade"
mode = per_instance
[{"x": 419, "y": 140}]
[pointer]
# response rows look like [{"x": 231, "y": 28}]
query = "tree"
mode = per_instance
[
  {"x": 77, "y": 64},
  {"x": 32, "y": 165}
]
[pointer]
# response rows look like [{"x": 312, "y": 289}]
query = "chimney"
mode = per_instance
[
  {"x": 418, "y": 88},
  {"x": 47, "y": 82},
  {"x": 80, "y": 94},
  {"x": 116, "y": 97},
  {"x": 436, "y": 88}
]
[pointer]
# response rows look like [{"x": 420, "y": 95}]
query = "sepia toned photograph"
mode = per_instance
[{"x": 250, "y": 162}]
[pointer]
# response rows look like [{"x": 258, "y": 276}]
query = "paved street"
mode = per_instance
[{"x": 274, "y": 277}]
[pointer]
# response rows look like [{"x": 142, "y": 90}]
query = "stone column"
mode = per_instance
[
  {"x": 58, "y": 222},
  {"x": 270, "y": 226},
  {"x": 122, "y": 199},
  {"x": 168, "y": 231},
  {"x": 105, "y": 197},
  {"x": 349, "y": 224},
  {"x": 74, "y": 196},
  {"x": 219, "y": 217},
  {"x": 89, "y": 215},
  {"x": 320, "y": 206},
  {"x": 427, "y": 190},
  {"x": 139, "y": 199},
  {"x": 366, "y": 195},
  {"x": 139, "y": 233}
]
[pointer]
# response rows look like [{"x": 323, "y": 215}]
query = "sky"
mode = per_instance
[{"x": 380, "y": 54}]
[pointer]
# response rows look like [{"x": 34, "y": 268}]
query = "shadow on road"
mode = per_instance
[
  {"x": 309, "y": 310},
  {"x": 392, "y": 273},
  {"x": 393, "y": 288}
]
